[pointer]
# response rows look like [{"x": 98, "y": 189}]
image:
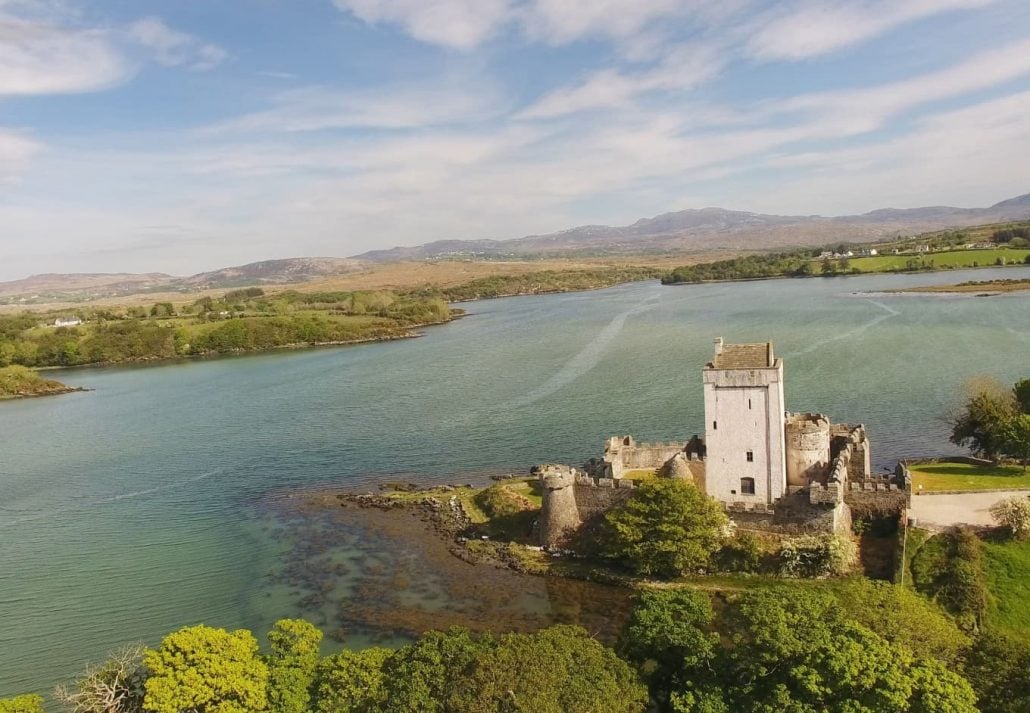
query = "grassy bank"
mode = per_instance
[
  {"x": 18, "y": 382},
  {"x": 964, "y": 476},
  {"x": 1008, "y": 575},
  {"x": 240, "y": 321},
  {"x": 541, "y": 282}
]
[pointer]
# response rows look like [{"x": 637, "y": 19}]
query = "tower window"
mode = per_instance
[
  {"x": 750, "y": 456},
  {"x": 749, "y": 404},
  {"x": 747, "y": 486},
  {"x": 715, "y": 425}
]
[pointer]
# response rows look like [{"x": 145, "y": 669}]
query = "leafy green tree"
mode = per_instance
[
  {"x": 999, "y": 669},
  {"x": 795, "y": 650},
  {"x": 557, "y": 670},
  {"x": 1016, "y": 437},
  {"x": 352, "y": 682},
  {"x": 981, "y": 422},
  {"x": 903, "y": 617},
  {"x": 1021, "y": 391},
  {"x": 668, "y": 639},
  {"x": 423, "y": 676},
  {"x": 201, "y": 669},
  {"x": 28, "y": 703},
  {"x": 802, "y": 650},
  {"x": 291, "y": 665},
  {"x": 666, "y": 528}
]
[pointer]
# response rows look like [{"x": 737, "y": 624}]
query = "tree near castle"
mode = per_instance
[
  {"x": 665, "y": 529},
  {"x": 995, "y": 421}
]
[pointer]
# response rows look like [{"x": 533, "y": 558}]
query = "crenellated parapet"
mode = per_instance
[{"x": 572, "y": 499}]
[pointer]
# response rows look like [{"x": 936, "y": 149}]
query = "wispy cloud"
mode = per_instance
[
  {"x": 388, "y": 107},
  {"x": 808, "y": 28},
  {"x": 683, "y": 68},
  {"x": 457, "y": 24},
  {"x": 40, "y": 58},
  {"x": 172, "y": 48},
  {"x": 861, "y": 110},
  {"x": 15, "y": 153}
]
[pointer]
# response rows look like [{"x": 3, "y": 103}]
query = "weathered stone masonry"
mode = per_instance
[{"x": 773, "y": 470}]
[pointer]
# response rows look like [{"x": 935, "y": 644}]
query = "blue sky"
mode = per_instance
[{"x": 185, "y": 135}]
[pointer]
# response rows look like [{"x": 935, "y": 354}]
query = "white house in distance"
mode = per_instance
[
  {"x": 744, "y": 423},
  {"x": 67, "y": 322}
]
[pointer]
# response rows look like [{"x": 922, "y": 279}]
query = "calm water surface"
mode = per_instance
[{"x": 130, "y": 511}]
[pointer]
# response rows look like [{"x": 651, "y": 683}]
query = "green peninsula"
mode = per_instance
[{"x": 19, "y": 382}]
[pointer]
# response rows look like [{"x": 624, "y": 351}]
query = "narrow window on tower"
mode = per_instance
[
  {"x": 750, "y": 456},
  {"x": 715, "y": 425},
  {"x": 749, "y": 404},
  {"x": 747, "y": 486}
]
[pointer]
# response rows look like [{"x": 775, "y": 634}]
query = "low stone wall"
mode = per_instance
[
  {"x": 794, "y": 515},
  {"x": 877, "y": 503}
]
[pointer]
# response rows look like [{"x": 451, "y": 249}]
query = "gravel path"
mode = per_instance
[{"x": 958, "y": 509}]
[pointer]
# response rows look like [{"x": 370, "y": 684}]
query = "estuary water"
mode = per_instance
[{"x": 139, "y": 507}]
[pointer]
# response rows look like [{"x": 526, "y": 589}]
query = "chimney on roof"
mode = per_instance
[
  {"x": 718, "y": 346},
  {"x": 772, "y": 357}
]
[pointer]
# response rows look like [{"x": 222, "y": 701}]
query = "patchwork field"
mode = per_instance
[{"x": 952, "y": 259}]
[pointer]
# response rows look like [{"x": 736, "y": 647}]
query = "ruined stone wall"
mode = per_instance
[
  {"x": 793, "y": 515},
  {"x": 573, "y": 501},
  {"x": 622, "y": 454}
]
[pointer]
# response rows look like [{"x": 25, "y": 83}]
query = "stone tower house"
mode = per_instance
[{"x": 744, "y": 424}]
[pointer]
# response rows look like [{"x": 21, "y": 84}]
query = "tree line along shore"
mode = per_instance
[{"x": 251, "y": 319}]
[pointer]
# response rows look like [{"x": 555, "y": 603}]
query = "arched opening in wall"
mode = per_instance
[{"x": 747, "y": 486}]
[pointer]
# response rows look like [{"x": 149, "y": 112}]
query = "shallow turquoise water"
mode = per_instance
[{"x": 127, "y": 511}]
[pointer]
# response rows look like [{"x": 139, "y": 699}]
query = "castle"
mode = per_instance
[{"x": 773, "y": 470}]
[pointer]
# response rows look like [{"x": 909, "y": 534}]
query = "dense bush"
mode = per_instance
[
  {"x": 780, "y": 650},
  {"x": 950, "y": 569},
  {"x": 22, "y": 704},
  {"x": 817, "y": 556},
  {"x": 1014, "y": 515},
  {"x": 999, "y": 669},
  {"x": 742, "y": 553}
]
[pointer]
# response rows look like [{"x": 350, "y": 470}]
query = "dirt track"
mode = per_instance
[{"x": 958, "y": 509}]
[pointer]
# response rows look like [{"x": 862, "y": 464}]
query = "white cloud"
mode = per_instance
[
  {"x": 563, "y": 21},
  {"x": 15, "y": 153},
  {"x": 684, "y": 68},
  {"x": 856, "y": 111},
  {"x": 962, "y": 157},
  {"x": 403, "y": 107},
  {"x": 172, "y": 48},
  {"x": 808, "y": 28},
  {"x": 457, "y": 24},
  {"x": 39, "y": 58}
]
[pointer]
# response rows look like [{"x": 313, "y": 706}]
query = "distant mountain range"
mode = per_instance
[
  {"x": 684, "y": 231},
  {"x": 717, "y": 228},
  {"x": 273, "y": 272}
]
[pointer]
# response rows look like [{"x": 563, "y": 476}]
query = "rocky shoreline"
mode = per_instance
[{"x": 383, "y": 567}]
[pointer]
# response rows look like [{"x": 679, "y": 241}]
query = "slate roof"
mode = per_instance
[{"x": 744, "y": 356}]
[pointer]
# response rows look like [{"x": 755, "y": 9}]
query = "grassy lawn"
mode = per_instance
[
  {"x": 962, "y": 476},
  {"x": 953, "y": 259},
  {"x": 639, "y": 474},
  {"x": 1008, "y": 573}
]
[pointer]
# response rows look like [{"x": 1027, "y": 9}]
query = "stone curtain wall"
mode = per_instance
[{"x": 572, "y": 502}]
